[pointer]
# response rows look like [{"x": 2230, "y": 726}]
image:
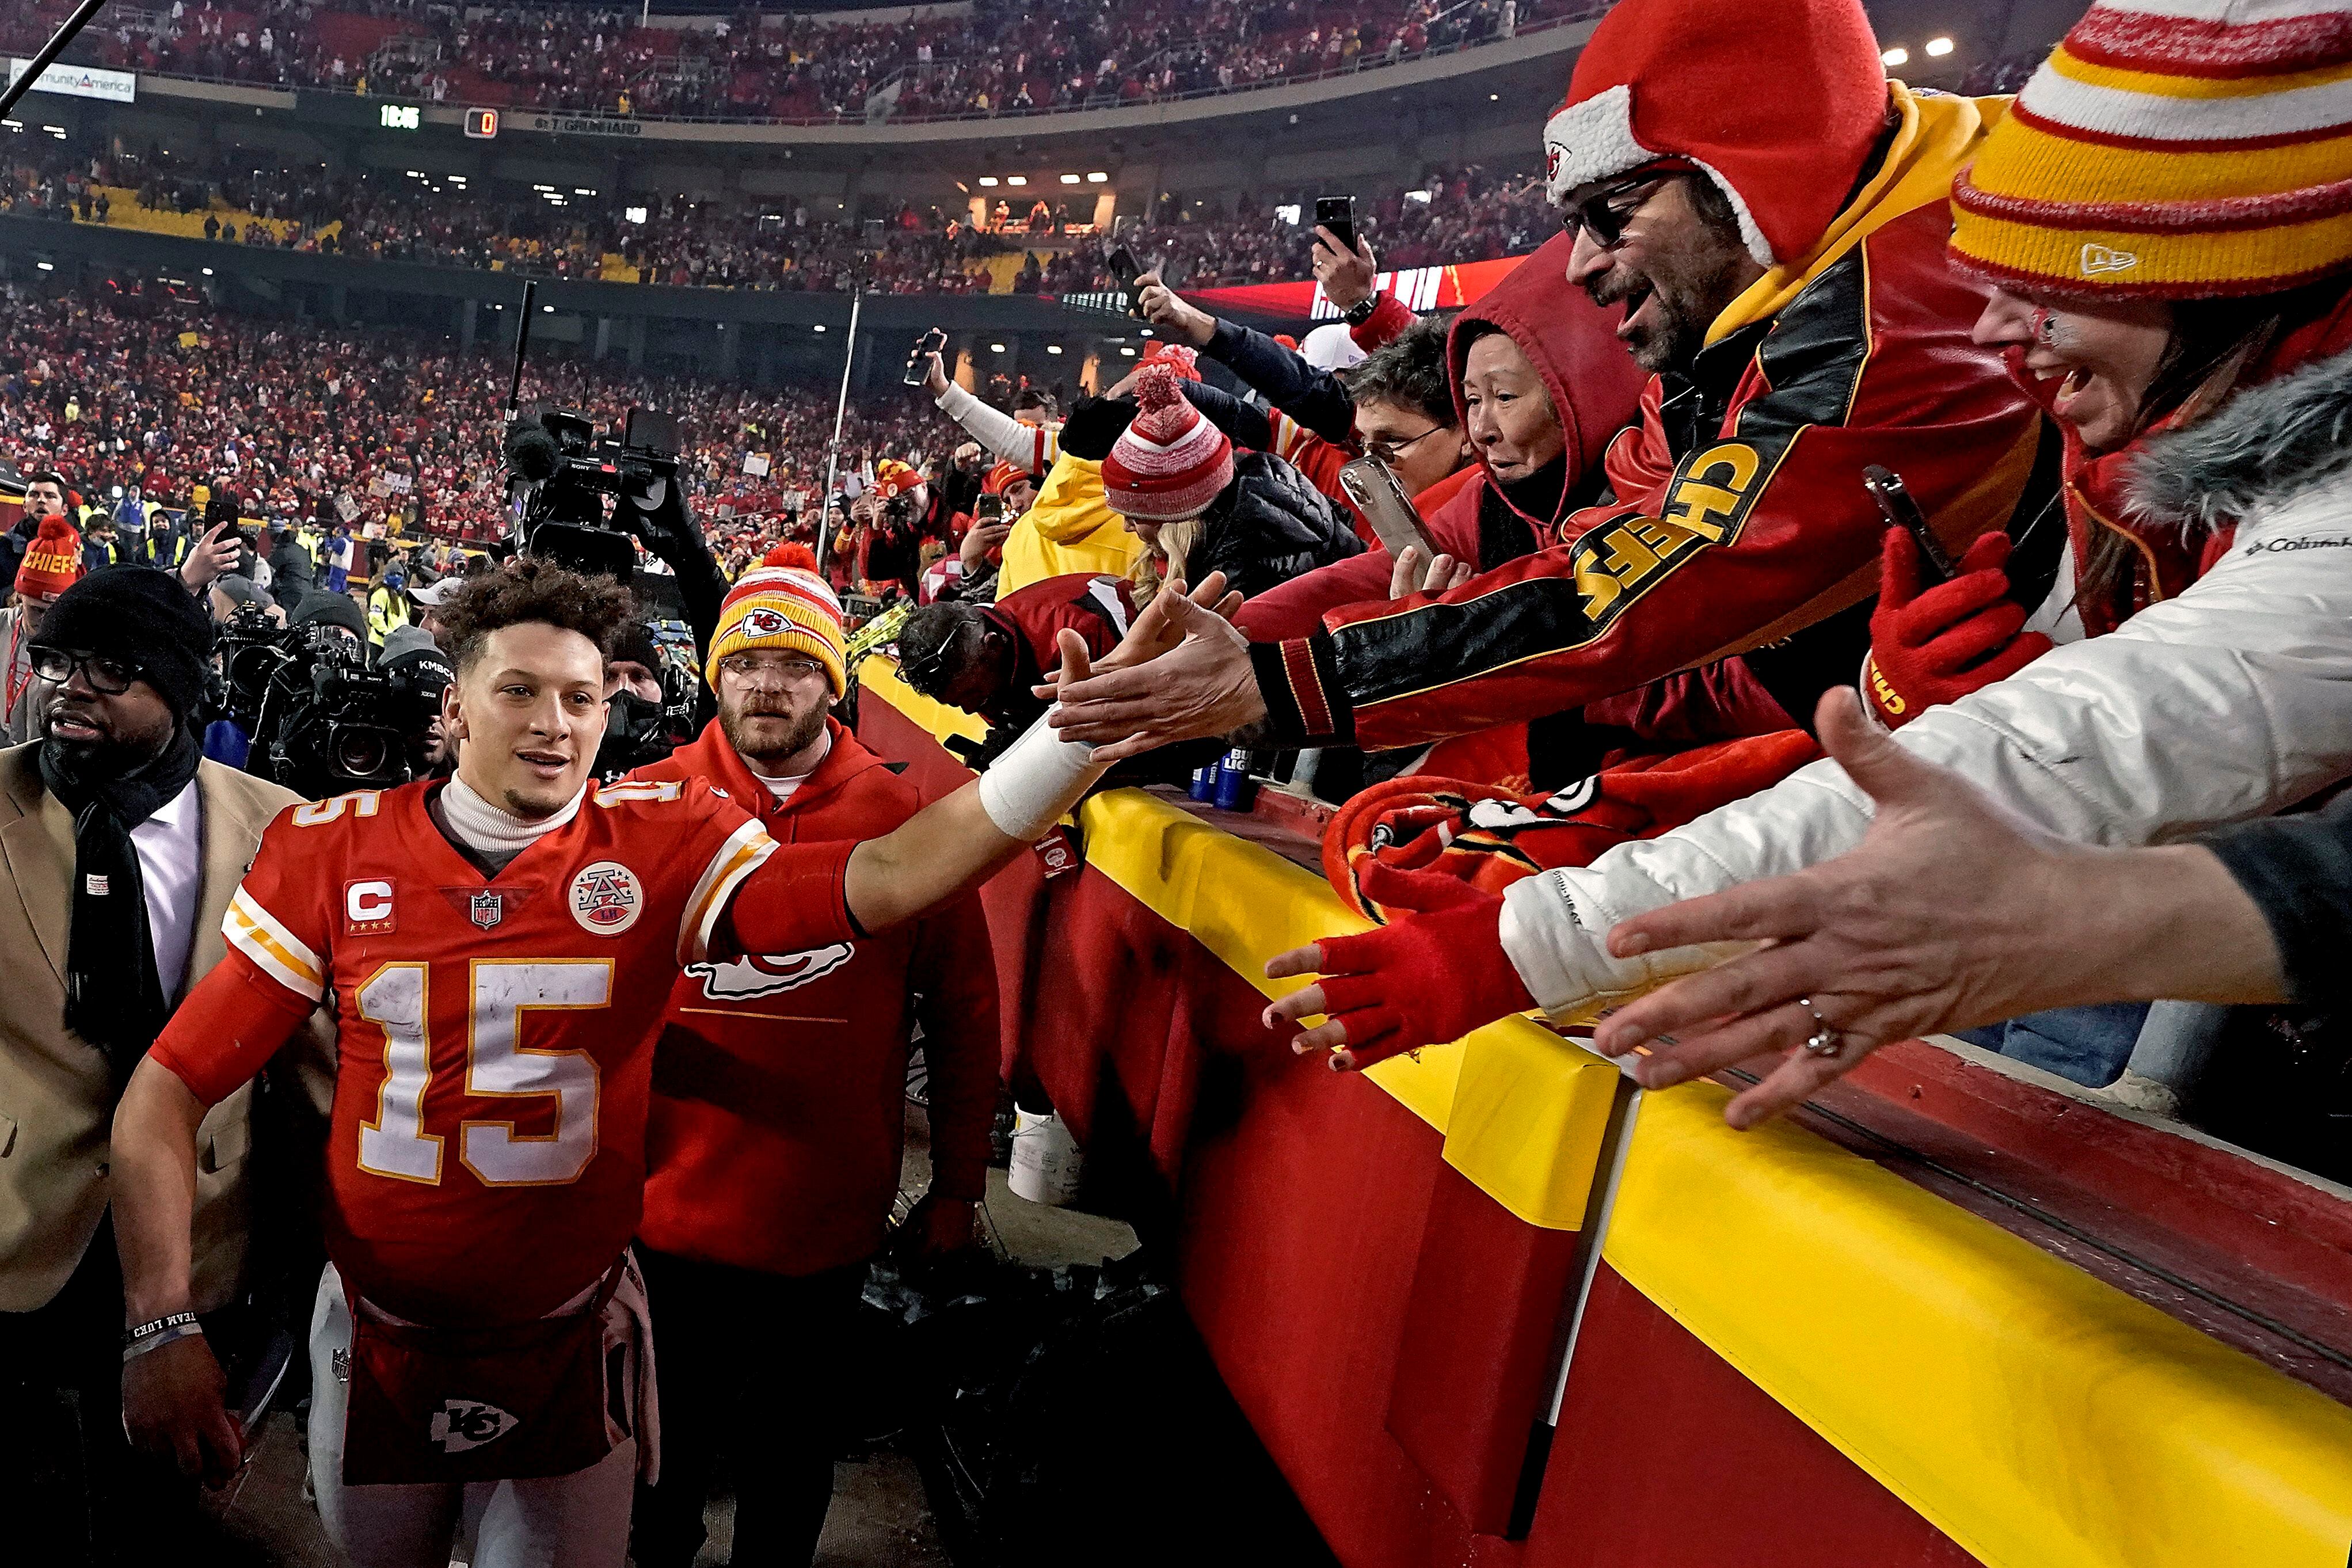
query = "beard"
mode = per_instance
[
  {"x": 1684, "y": 292},
  {"x": 737, "y": 727}
]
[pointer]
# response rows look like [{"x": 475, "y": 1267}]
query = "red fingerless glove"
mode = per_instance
[
  {"x": 1957, "y": 637},
  {"x": 1426, "y": 979}
]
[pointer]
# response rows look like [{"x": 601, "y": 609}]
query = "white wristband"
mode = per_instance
[{"x": 1038, "y": 778}]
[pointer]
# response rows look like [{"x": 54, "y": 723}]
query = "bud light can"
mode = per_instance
[{"x": 1236, "y": 789}]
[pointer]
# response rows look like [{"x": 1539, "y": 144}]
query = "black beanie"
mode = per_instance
[
  {"x": 635, "y": 644},
  {"x": 143, "y": 616},
  {"x": 335, "y": 609}
]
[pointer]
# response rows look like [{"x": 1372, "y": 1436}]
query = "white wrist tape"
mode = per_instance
[{"x": 1037, "y": 779}]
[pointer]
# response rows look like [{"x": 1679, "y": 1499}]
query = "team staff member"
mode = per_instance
[
  {"x": 1783, "y": 273},
  {"x": 121, "y": 850},
  {"x": 501, "y": 946},
  {"x": 778, "y": 1097}
]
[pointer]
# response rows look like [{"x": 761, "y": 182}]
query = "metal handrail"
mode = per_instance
[{"x": 1364, "y": 63}]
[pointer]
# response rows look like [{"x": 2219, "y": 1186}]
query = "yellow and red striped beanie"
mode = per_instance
[
  {"x": 2171, "y": 148},
  {"x": 781, "y": 608}
]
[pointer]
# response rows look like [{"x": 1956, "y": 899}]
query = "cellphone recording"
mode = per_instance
[
  {"x": 1338, "y": 214},
  {"x": 931, "y": 342},
  {"x": 989, "y": 509},
  {"x": 1896, "y": 505},
  {"x": 1378, "y": 495},
  {"x": 1124, "y": 272}
]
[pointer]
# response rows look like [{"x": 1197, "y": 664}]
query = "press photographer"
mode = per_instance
[{"x": 320, "y": 720}]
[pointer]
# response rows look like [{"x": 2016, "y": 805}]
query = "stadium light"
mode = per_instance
[
  {"x": 208, "y": 271},
  {"x": 1493, "y": 97},
  {"x": 581, "y": 191},
  {"x": 1069, "y": 179},
  {"x": 996, "y": 348},
  {"x": 547, "y": 310},
  {"x": 1939, "y": 48},
  {"x": 1053, "y": 348},
  {"x": 45, "y": 266},
  {"x": 988, "y": 180},
  {"x": 1098, "y": 178},
  {"x": 1897, "y": 56},
  {"x": 819, "y": 326},
  {"x": 1130, "y": 352}
]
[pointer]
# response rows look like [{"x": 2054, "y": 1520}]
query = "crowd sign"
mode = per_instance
[{"x": 79, "y": 81}]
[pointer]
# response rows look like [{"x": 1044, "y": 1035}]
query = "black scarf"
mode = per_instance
[{"x": 113, "y": 998}]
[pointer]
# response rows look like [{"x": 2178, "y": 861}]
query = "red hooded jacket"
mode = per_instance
[
  {"x": 780, "y": 1084},
  {"x": 1595, "y": 387},
  {"x": 1740, "y": 519}
]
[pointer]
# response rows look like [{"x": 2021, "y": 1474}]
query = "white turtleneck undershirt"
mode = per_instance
[{"x": 491, "y": 833}]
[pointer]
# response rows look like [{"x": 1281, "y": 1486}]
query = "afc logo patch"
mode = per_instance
[
  {"x": 764, "y": 622},
  {"x": 605, "y": 899},
  {"x": 367, "y": 907}
]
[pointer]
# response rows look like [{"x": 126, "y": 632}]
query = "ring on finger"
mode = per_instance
[{"x": 1825, "y": 1040}]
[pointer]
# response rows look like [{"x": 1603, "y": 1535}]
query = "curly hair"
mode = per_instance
[{"x": 529, "y": 588}]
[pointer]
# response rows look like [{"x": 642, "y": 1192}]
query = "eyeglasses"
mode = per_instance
[
  {"x": 926, "y": 674},
  {"x": 1603, "y": 214},
  {"x": 107, "y": 675},
  {"x": 748, "y": 667},
  {"x": 1391, "y": 452}
]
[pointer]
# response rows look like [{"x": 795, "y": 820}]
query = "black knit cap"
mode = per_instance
[
  {"x": 141, "y": 616},
  {"x": 335, "y": 609}
]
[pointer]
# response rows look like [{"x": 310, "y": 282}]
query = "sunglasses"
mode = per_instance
[{"x": 1603, "y": 213}]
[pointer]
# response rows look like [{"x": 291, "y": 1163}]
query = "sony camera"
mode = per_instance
[
  {"x": 573, "y": 493},
  {"x": 322, "y": 720}
]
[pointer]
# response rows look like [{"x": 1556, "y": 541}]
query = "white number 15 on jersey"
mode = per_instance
[{"x": 395, "y": 999}]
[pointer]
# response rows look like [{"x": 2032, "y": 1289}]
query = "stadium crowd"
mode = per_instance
[
  {"x": 1002, "y": 57},
  {"x": 1455, "y": 214},
  {"x": 164, "y": 394},
  {"x": 1615, "y": 658}
]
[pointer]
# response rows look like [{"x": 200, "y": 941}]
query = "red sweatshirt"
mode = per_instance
[{"x": 779, "y": 1091}]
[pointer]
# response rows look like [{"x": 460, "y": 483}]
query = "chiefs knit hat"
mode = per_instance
[
  {"x": 790, "y": 553},
  {"x": 2197, "y": 149},
  {"x": 1777, "y": 103},
  {"x": 1181, "y": 358},
  {"x": 893, "y": 478},
  {"x": 1002, "y": 477},
  {"x": 1169, "y": 463},
  {"x": 52, "y": 561},
  {"x": 144, "y": 616},
  {"x": 781, "y": 608}
]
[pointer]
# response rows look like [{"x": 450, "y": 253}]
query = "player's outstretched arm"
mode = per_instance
[
  {"x": 958, "y": 843},
  {"x": 224, "y": 1031}
]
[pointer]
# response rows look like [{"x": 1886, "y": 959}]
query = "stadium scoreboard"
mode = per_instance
[
  {"x": 481, "y": 123},
  {"x": 399, "y": 117}
]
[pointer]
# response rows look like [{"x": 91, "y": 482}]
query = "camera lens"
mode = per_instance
[{"x": 362, "y": 753}]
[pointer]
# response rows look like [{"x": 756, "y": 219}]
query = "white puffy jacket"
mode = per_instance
[{"x": 2233, "y": 700}]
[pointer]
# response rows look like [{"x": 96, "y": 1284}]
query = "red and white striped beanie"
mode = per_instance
[
  {"x": 1171, "y": 462},
  {"x": 781, "y": 608}
]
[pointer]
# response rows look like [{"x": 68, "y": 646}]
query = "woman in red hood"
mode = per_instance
[{"x": 1571, "y": 387}]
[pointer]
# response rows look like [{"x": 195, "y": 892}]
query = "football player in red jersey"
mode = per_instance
[{"x": 499, "y": 950}]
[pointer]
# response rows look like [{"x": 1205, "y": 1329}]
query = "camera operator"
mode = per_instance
[
  {"x": 651, "y": 703},
  {"x": 292, "y": 572},
  {"x": 890, "y": 521},
  {"x": 231, "y": 593}
]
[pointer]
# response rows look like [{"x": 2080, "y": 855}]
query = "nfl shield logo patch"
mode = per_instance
[{"x": 487, "y": 908}]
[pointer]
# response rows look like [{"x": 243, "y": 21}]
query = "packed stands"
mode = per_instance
[
  {"x": 1002, "y": 59},
  {"x": 295, "y": 418},
  {"x": 1458, "y": 214}
]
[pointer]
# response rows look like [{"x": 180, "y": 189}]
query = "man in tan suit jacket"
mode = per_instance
[{"x": 61, "y": 1307}]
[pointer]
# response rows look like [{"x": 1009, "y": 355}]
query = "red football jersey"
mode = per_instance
[{"x": 487, "y": 1157}]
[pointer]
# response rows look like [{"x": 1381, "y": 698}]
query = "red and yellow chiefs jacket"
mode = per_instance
[
  {"x": 1739, "y": 516},
  {"x": 780, "y": 1081}
]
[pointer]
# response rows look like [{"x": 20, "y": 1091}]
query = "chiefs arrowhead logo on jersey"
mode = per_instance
[
  {"x": 463, "y": 1424},
  {"x": 741, "y": 979},
  {"x": 606, "y": 899},
  {"x": 486, "y": 908}
]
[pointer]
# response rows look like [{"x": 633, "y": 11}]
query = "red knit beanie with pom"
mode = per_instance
[
  {"x": 790, "y": 553},
  {"x": 1169, "y": 463}
]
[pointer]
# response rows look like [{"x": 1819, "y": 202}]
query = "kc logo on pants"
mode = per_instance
[{"x": 463, "y": 1424}]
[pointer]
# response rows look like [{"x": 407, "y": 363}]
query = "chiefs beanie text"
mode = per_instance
[
  {"x": 2187, "y": 149},
  {"x": 1681, "y": 79},
  {"x": 52, "y": 561},
  {"x": 1169, "y": 463}
]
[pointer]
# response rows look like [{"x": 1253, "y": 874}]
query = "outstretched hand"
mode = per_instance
[
  {"x": 1935, "y": 921},
  {"x": 1198, "y": 684},
  {"x": 1432, "y": 974}
]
